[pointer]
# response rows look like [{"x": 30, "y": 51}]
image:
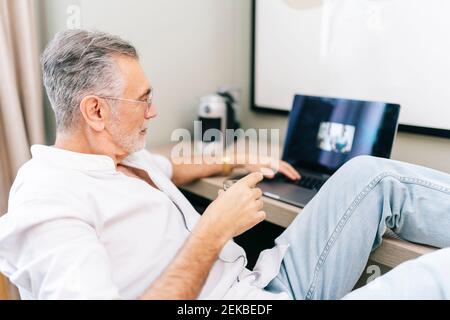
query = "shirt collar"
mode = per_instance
[{"x": 73, "y": 160}]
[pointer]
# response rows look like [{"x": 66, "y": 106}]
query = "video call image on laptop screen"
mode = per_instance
[
  {"x": 324, "y": 133},
  {"x": 335, "y": 137}
]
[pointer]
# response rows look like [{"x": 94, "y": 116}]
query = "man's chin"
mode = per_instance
[
  {"x": 136, "y": 147},
  {"x": 130, "y": 144}
]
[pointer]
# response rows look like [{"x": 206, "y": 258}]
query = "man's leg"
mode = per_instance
[
  {"x": 330, "y": 241},
  {"x": 426, "y": 277}
]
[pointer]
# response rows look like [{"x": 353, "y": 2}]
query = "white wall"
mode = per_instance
[
  {"x": 189, "y": 48},
  {"x": 395, "y": 51},
  {"x": 423, "y": 150}
]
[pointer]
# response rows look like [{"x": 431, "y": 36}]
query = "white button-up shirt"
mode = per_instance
[{"x": 76, "y": 228}]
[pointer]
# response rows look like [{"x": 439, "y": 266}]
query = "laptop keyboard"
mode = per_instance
[{"x": 307, "y": 182}]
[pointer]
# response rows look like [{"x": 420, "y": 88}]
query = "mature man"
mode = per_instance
[{"x": 98, "y": 217}]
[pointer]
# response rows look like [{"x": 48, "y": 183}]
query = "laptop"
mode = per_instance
[{"x": 323, "y": 134}]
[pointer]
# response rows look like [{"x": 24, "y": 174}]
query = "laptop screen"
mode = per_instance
[{"x": 324, "y": 133}]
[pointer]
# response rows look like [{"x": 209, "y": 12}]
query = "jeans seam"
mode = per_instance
[{"x": 353, "y": 206}]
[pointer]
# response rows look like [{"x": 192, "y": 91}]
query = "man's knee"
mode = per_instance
[
  {"x": 361, "y": 163},
  {"x": 362, "y": 166}
]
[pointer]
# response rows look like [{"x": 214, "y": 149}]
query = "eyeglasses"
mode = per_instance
[{"x": 149, "y": 101}]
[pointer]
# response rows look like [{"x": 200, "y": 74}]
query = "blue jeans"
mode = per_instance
[{"x": 331, "y": 240}]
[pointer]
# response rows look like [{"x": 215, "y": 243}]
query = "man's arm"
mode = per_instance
[
  {"x": 183, "y": 174},
  {"x": 186, "y": 275},
  {"x": 186, "y": 173},
  {"x": 232, "y": 213}
]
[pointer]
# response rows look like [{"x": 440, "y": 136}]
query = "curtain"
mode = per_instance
[{"x": 21, "y": 100}]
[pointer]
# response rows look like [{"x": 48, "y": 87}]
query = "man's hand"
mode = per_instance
[
  {"x": 232, "y": 213},
  {"x": 196, "y": 167},
  {"x": 236, "y": 210},
  {"x": 269, "y": 170}
]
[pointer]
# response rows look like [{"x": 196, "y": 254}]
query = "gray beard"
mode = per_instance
[{"x": 129, "y": 143}]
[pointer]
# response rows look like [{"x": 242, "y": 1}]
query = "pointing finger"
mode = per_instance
[{"x": 252, "y": 179}]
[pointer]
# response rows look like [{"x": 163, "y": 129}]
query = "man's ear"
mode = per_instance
[{"x": 93, "y": 110}]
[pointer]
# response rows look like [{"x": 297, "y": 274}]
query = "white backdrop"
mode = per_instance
[{"x": 383, "y": 50}]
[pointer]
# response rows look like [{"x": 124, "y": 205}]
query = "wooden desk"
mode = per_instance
[{"x": 391, "y": 253}]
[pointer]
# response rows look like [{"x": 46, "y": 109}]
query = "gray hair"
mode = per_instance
[{"x": 77, "y": 63}]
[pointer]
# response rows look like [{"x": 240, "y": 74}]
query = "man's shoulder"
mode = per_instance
[
  {"x": 36, "y": 178},
  {"x": 36, "y": 171}
]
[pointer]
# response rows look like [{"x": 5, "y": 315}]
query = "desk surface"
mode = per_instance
[{"x": 391, "y": 253}]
